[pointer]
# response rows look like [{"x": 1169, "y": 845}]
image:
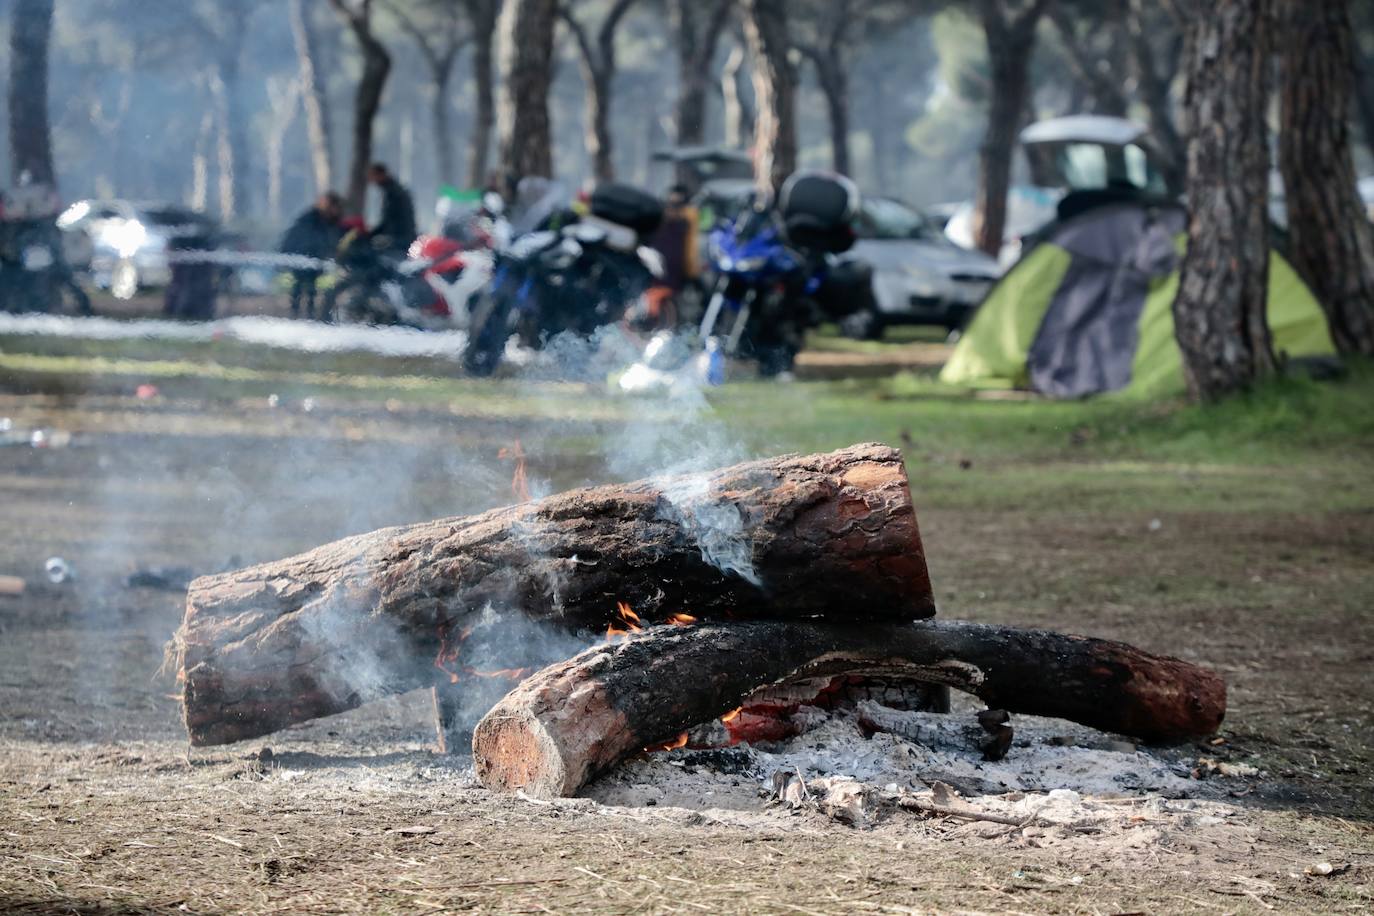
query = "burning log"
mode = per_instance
[
  {"x": 829, "y": 536},
  {"x": 574, "y": 720}
]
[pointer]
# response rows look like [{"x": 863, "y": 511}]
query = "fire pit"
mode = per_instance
[{"x": 752, "y": 603}]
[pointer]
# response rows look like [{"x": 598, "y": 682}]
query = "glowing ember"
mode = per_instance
[
  {"x": 682, "y": 620},
  {"x": 448, "y": 652},
  {"x": 628, "y": 617},
  {"x": 679, "y": 741},
  {"x": 511, "y": 674},
  {"x": 519, "y": 484},
  {"x": 732, "y": 715}
]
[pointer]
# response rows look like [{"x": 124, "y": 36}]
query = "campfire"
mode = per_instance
[{"x": 709, "y": 611}]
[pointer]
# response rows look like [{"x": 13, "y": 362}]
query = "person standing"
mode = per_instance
[
  {"x": 395, "y": 230},
  {"x": 676, "y": 240},
  {"x": 315, "y": 234}
]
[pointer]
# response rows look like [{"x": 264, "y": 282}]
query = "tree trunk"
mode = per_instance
[
  {"x": 283, "y": 103},
  {"x": 598, "y": 128},
  {"x": 200, "y": 164},
  {"x": 368, "y": 99},
  {"x": 1330, "y": 238},
  {"x": 322, "y": 632},
  {"x": 482, "y": 14},
  {"x": 1011, "y": 41},
  {"x": 775, "y": 92},
  {"x": 30, "y": 130},
  {"x": 314, "y": 97},
  {"x": 573, "y": 721},
  {"x": 739, "y": 119},
  {"x": 834, "y": 82},
  {"x": 444, "y": 156},
  {"x": 526, "y": 28},
  {"x": 1219, "y": 313},
  {"x": 1153, "y": 89},
  {"x": 696, "y": 28}
]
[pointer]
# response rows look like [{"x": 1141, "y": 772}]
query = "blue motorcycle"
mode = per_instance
[{"x": 776, "y": 277}]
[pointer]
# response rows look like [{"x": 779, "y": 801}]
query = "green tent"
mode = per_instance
[{"x": 1088, "y": 310}]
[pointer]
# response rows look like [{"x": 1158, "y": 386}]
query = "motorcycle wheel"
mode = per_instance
[
  {"x": 363, "y": 305},
  {"x": 487, "y": 335}
]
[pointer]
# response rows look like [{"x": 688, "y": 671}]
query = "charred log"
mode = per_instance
[
  {"x": 829, "y": 536},
  {"x": 575, "y": 720}
]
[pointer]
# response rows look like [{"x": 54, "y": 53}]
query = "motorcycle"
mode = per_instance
[
  {"x": 575, "y": 279},
  {"x": 428, "y": 289},
  {"x": 34, "y": 275},
  {"x": 777, "y": 277}
]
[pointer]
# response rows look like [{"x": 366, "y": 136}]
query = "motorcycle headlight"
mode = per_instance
[
  {"x": 127, "y": 237},
  {"x": 749, "y": 265}
]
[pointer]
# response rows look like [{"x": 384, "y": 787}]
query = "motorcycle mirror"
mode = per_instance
[{"x": 493, "y": 203}]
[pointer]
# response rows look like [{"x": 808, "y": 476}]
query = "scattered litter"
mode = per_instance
[
  {"x": 1325, "y": 869},
  {"x": 273, "y": 400},
  {"x": 417, "y": 830},
  {"x": 12, "y": 586},
  {"x": 59, "y": 571},
  {"x": 50, "y": 438},
  {"x": 1209, "y": 766},
  {"x": 1156, "y": 524},
  {"x": 146, "y": 392}
]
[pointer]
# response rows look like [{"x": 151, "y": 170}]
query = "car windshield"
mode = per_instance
[{"x": 884, "y": 218}]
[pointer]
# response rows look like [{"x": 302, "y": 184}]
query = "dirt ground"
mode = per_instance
[{"x": 106, "y": 810}]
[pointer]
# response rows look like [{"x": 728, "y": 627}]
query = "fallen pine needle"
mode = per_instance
[{"x": 225, "y": 839}]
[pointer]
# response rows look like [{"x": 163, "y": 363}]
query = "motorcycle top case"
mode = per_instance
[
  {"x": 628, "y": 206},
  {"x": 818, "y": 210}
]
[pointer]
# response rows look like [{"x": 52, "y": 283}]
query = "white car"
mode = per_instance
[
  {"x": 129, "y": 242},
  {"x": 919, "y": 275}
]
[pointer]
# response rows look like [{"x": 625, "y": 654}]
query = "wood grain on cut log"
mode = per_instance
[
  {"x": 576, "y": 719},
  {"x": 831, "y": 535}
]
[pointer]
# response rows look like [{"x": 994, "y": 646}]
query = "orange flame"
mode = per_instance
[
  {"x": 628, "y": 617},
  {"x": 682, "y": 620},
  {"x": 679, "y": 741},
  {"x": 510, "y": 674},
  {"x": 519, "y": 483},
  {"x": 448, "y": 652},
  {"x": 732, "y": 715}
]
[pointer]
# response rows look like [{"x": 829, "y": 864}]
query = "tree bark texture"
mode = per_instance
[
  {"x": 696, "y": 28},
  {"x": 526, "y": 28},
  {"x": 775, "y": 92},
  {"x": 325, "y": 631},
  {"x": 368, "y": 99},
  {"x": 573, "y": 721},
  {"x": 1010, "y": 35},
  {"x": 1219, "y": 313},
  {"x": 313, "y": 96},
  {"x": 1330, "y": 238},
  {"x": 482, "y": 17},
  {"x": 737, "y": 114},
  {"x": 30, "y": 129}
]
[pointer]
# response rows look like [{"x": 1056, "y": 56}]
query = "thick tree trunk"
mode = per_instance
[
  {"x": 482, "y": 15},
  {"x": 1011, "y": 40},
  {"x": 775, "y": 92},
  {"x": 573, "y": 721},
  {"x": 526, "y": 28},
  {"x": 327, "y": 630},
  {"x": 598, "y": 127},
  {"x": 30, "y": 130},
  {"x": 1331, "y": 241},
  {"x": 313, "y": 96},
  {"x": 1219, "y": 313}
]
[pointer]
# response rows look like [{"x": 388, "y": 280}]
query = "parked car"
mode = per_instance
[
  {"x": 130, "y": 242},
  {"x": 919, "y": 275}
]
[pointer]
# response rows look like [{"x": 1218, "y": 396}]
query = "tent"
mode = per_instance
[{"x": 1088, "y": 309}]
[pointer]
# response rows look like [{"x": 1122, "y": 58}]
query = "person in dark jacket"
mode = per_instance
[
  {"x": 396, "y": 228},
  {"x": 314, "y": 234}
]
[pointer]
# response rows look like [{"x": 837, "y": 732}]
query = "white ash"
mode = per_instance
[{"x": 1046, "y": 755}]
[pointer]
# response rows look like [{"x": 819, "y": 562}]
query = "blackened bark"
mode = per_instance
[
  {"x": 312, "y": 635},
  {"x": 1010, "y": 33},
  {"x": 1331, "y": 241},
  {"x": 775, "y": 92},
  {"x": 696, "y": 29},
  {"x": 576, "y": 719},
  {"x": 313, "y": 96},
  {"x": 1219, "y": 313},
  {"x": 526, "y": 28},
  {"x": 368, "y": 100},
  {"x": 30, "y": 129},
  {"x": 482, "y": 19}
]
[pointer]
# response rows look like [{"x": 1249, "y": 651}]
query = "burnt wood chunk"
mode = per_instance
[
  {"x": 576, "y": 719},
  {"x": 830, "y": 536}
]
